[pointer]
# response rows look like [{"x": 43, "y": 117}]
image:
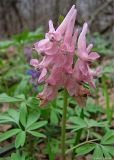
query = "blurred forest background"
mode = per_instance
[{"x": 18, "y": 15}]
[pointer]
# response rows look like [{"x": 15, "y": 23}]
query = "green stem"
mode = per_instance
[
  {"x": 63, "y": 127},
  {"x": 78, "y": 135},
  {"x": 107, "y": 100},
  {"x": 78, "y": 145}
]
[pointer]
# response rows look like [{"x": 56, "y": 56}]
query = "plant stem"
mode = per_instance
[
  {"x": 78, "y": 145},
  {"x": 78, "y": 135},
  {"x": 63, "y": 127},
  {"x": 107, "y": 100}
]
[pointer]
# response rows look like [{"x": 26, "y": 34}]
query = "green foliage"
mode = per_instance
[
  {"x": 102, "y": 149},
  {"x": 9, "y": 134},
  {"x": 25, "y": 123},
  {"x": 52, "y": 148},
  {"x": 101, "y": 45},
  {"x": 5, "y": 98},
  {"x": 20, "y": 139},
  {"x": 84, "y": 149},
  {"x": 18, "y": 156},
  {"x": 38, "y": 128},
  {"x": 24, "y": 37},
  {"x": 79, "y": 123}
]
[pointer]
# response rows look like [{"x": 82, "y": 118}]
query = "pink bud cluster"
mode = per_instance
[{"x": 57, "y": 67}]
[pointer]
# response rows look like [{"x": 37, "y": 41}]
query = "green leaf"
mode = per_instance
[
  {"x": 8, "y": 134},
  {"x": 77, "y": 128},
  {"x": 86, "y": 148},
  {"x": 54, "y": 144},
  {"x": 98, "y": 153},
  {"x": 60, "y": 19},
  {"x": 18, "y": 156},
  {"x": 6, "y": 43},
  {"x": 6, "y": 119},
  {"x": 36, "y": 134},
  {"x": 20, "y": 139},
  {"x": 110, "y": 149},
  {"x": 86, "y": 85},
  {"x": 103, "y": 124},
  {"x": 108, "y": 138},
  {"x": 32, "y": 102},
  {"x": 14, "y": 114},
  {"x": 23, "y": 114},
  {"x": 93, "y": 108},
  {"x": 107, "y": 69},
  {"x": 37, "y": 125},
  {"x": 96, "y": 135},
  {"x": 32, "y": 117},
  {"x": 5, "y": 98},
  {"x": 53, "y": 117},
  {"x": 72, "y": 126},
  {"x": 21, "y": 87},
  {"x": 20, "y": 96},
  {"x": 79, "y": 121},
  {"x": 106, "y": 153},
  {"x": 93, "y": 123},
  {"x": 15, "y": 156}
]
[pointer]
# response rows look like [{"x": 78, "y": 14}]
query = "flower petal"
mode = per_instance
[
  {"x": 90, "y": 46},
  {"x": 51, "y": 27},
  {"x": 42, "y": 45},
  {"x": 34, "y": 62},
  {"x": 61, "y": 29},
  {"x": 82, "y": 38},
  {"x": 69, "y": 29},
  {"x": 93, "y": 56},
  {"x": 42, "y": 75}
]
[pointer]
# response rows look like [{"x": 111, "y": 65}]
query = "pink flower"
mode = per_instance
[
  {"x": 53, "y": 37},
  {"x": 57, "y": 77},
  {"x": 83, "y": 51},
  {"x": 56, "y": 65},
  {"x": 82, "y": 71},
  {"x": 49, "y": 93},
  {"x": 34, "y": 62}
]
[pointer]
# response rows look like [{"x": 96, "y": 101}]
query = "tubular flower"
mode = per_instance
[
  {"x": 82, "y": 71},
  {"x": 56, "y": 67}
]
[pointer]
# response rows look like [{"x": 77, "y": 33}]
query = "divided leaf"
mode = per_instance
[{"x": 79, "y": 123}]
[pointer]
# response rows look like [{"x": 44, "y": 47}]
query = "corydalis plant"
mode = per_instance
[{"x": 56, "y": 67}]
